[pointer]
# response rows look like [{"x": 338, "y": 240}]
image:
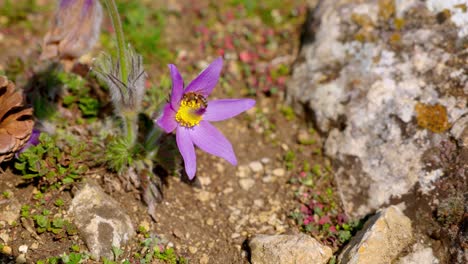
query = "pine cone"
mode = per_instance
[{"x": 16, "y": 121}]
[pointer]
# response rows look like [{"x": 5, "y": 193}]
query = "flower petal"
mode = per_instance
[
  {"x": 218, "y": 110},
  {"x": 187, "y": 150},
  {"x": 207, "y": 79},
  {"x": 167, "y": 119},
  {"x": 177, "y": 87},
  {"x": 209, "y": 139}
]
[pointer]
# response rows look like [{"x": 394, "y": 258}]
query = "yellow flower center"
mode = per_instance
[{"x": 191, "y": 110}]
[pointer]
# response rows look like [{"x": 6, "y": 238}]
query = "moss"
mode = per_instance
[{"x": 432, "y": 117}]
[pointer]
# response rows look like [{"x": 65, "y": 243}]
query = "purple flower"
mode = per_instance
[
  {"x": 74, "y": 30},
  {"x": 189, "y": 113},
  {"x": 32, "y": 141}
]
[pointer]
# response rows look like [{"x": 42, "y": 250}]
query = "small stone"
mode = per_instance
[
  {"x": 265, "y": 160},
  {"x": 279, "y": 172},
  {"x": 6, "y": 250},
  {"x": 100, "y": 220},
  {"x": 288, "y": 249},
  {"x": 268, "y": 179},
  {"x": 5, "y": 237},
  {"x": 177, "y": 233},
  {"x": 34, "y": 246},
  {"x": 235, "y": 235},
  {"x": 204, "y": 196},
  {"x": 193, "y": 250},
  {"x": 204, "y": 259},
  {"x": 220, "y": 168},
  {"x": 256, "y": 166},
  {"x": 246, "y": 184},
  {"x": 21, "y": 259},
  {"x": 10, "y": 211},
  {"x": 170, "y": 245},
  {"x": 210, "y": 221},
  {"x": 242, "y": 171},
  {"x": 205, "y": 181},
  {"x": 259, "y": 203},
  {"x": 23, "y": 249},
  {"x": 228, "y": 190}
]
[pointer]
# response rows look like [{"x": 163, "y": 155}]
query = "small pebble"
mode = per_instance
[
  {"x": 259, "y": 202},
  {"x": 279, "y": 172},
  {"x": 246, "y": 184},
  {"x": 235, "y": 235},
  {"x": 242, "y": 171},
  {"x": 177, "y": 233},
  {"x": 205, "y": 180},
  {"x": 268, "y": 179},
  {"x": 256, "y": 166},
  {"x": 193, "y": 250},
  {"x": 204, "y": 196},
  {"x": 204, "y": 259},
  {"x": 228, "y": 190},
  {"x": 34, "y": 246},
  {"x": 210, "y": 221},
  {"x": 6, "y": 250},
  {"x": 4, "y": 237},
  {"x": 23, "y": 249},
  {"x": 21, "y": 259},
  {"x": 265, "y": 160}
]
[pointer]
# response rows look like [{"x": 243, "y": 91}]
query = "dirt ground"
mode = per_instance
[{"x": 209, "y": 220}]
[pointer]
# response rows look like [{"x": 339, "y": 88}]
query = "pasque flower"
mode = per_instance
[
  {"x": 74, "y": 30},
  {"x": 189, "y": 113}
]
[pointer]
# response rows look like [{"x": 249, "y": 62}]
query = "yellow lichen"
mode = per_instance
[
  {"x": 386, "y": 9},
  {"x": 432, "y": 117},
  {"x": 399, "y": 23}
]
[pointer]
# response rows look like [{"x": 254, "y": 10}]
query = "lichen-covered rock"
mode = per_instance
[
  {"x": 386, "y": 82},
  {"x": 10, "y": 210},
  {"x": 382, "y": 239},
  {"x": 100, "y": 220},
  {"x": 288, "y": 249},
  {"x": 419, "y": 254}
]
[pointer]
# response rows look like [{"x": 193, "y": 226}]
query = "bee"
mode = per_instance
[{"x": 197, "y": 98}]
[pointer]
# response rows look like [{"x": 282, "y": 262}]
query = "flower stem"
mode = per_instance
[{"x": 117, "y": 24}]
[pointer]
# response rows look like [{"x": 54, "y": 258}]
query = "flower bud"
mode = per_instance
[{"x": 74, "y": 30}]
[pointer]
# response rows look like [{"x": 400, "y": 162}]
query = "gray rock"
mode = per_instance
[
  {"x": 382, "y": 239},
  {"x": 287, "y": 249},
  {"x": 100, "y": 220},
  {"x": 419, "y": 255},
  {"x": 360, "y": 81},
  {"x": 10, "y": 209}
]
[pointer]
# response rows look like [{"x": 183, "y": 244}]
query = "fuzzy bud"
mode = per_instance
[{"x": 126, "y": 95}]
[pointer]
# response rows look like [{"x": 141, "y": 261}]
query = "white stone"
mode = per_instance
[
  {"x": 256, "y": 166},
  {"x": 23, "y": 249},
  {"x": 246, "y": 184},
  {"x": 419, "y": 255},
  {"x": 288, "y": 249},
  {"x": 279, "y": 172}
]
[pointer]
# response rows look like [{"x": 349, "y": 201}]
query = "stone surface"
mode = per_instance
[
  {"x": 100, "y": 220},
  {"x": 420, "y": 254},
  {"x": 10, "y": 209},
  {"x": 287, "y": 249},
  {"x": 381, "y": 240},
  {"x": 383, "y": 83}
]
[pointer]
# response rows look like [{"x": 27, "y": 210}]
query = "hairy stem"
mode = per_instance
[{"x": 117, "y": 24}]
